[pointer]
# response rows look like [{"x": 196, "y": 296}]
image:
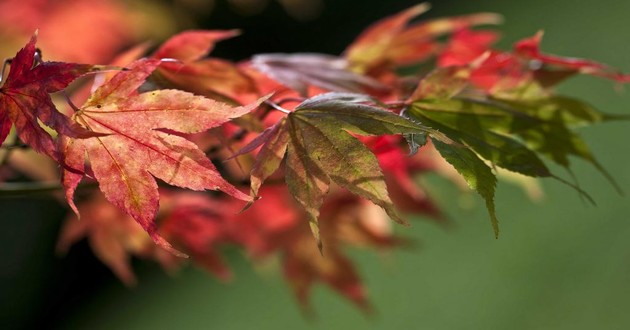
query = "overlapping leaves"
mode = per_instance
[
  {"x": 320, "y": 149},
  {"x": 512, "y": 134},
  {"x": 487, "y": 109}
]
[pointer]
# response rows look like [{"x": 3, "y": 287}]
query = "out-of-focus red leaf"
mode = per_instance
[
  {"x": 372, "y": 46},
  {"x": 197, "y": 74},
  {"x": 192, "y": 45},
  {"x": 98, "y": 29},
  {"x": 399, "y": 170},
  {"x": 417, "y": 42},
  {"x": 276, "y": 223},
  {"x": 465, "y": 46},
  {"x": 113, "y": 236},
  {"x": 529, "y": 48},
  {"x": 393, "y": 42},
  {"x": 197, "y": 225},
  {"x": 304, "y": 265},
  {"x": 442, "y": 83},
  {"x": 500, "y": 71}
]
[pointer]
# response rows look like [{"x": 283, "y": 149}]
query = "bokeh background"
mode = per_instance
[{"x": 559, "y": 263}]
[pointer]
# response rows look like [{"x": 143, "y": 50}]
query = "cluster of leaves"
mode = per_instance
[{"x": 329, "y": 145}]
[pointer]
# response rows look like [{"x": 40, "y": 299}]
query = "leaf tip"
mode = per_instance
[
  {"x": 234, "y": 33},
  {"x": 160, "y": 241},
  {"x": 318, "y": 239},
  {"x": 249, "y": 204},
  {"x": 420, "y": 8},
  {"x": 394, "y": 215}
]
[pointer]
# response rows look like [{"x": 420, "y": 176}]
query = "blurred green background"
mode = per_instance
[{"x": 559, "y": 264}]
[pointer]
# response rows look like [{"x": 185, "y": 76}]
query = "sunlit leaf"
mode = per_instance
[{"x": 136, "y": 147}]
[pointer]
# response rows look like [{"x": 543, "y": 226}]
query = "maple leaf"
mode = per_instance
[
  {"x": 530, "y": 48},
  {"x": 319, "y": 149},
  {"x": 345, "y": 220},
  {"x": 25, "y": 99},
  {"x": 520, "y": 72},
  {"x": 509, "y": 133},
  {"x": 198, "y": 224},
  {"x": 275, "y": 224},
  {"x": 465, "y": 46},
  {"x": 303, "y": 266},
  {"x": 138, "y": 144},
  {"x": 196, "y": 73},
  {"x": 114, "y": 237},
  {"x": 398, "y": 168},
  {"x": 99, "y": 28},
  {"x": 299, "y": 71},
  {"x": 392, "y": 41}
]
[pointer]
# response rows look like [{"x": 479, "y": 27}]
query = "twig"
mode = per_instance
[
  {"x": 16, "y": 189},
  {"x": 277, "y": 107}
]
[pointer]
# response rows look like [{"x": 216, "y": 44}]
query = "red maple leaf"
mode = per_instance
[
  {"x": 465, "y": 46},
  {"x": 25, "y": 99},
  {"x": 114, "y": 238},
  {"x": 195, "y": 72},
  {"x": 530, "y": 49},
  {"x": 141, "y": 141},
  {"x": 393, "y": 41},
  {"x": 198, "y": 225},
  {"x": 399, "y": 169},
  {"x": 497, "y": 71}
]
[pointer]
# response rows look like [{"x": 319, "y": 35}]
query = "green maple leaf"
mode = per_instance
[
  {"x": 320, "y": 148},
  {"x": 509, "y": 133}
]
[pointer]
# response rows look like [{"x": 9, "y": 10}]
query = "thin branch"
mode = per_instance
[
  {"x": 10, "y": 189},
  {"x": 242, "y": 132},
  {"x": 277, "y": 107},
  {"x": 16, "y": 189},
  {"x": 15, "y": 146}
]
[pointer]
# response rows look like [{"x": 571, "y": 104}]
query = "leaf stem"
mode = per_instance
[
  {"x": 277, "y": 107},
  {"x": 10, "y": 189},
  {"x": 16, "y": 189},
  {"x": 15, "y": 146},
  {"x": 70, "y": 103}
]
